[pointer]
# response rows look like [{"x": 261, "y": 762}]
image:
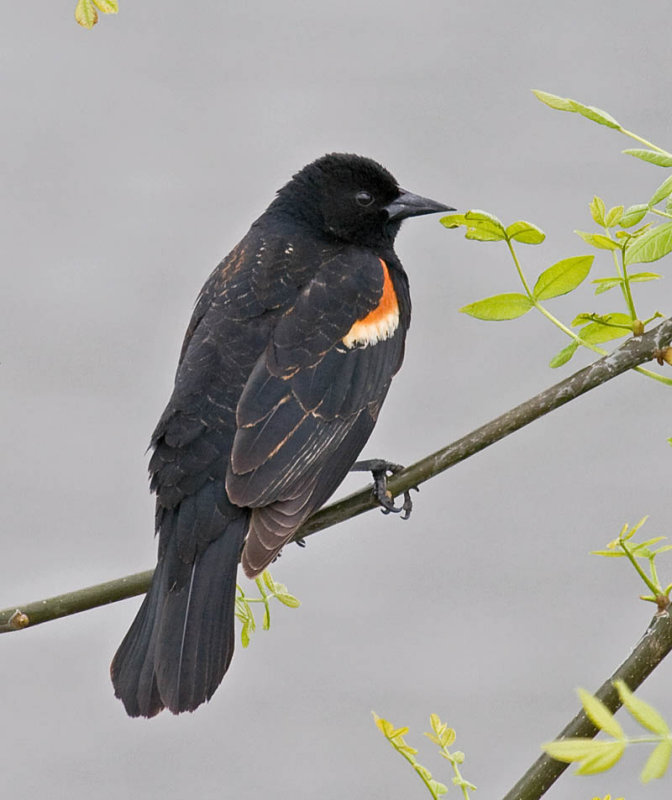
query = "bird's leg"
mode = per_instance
[{"x": 380, "y": 468}]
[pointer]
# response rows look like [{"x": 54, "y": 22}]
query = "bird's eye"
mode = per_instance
[{"x": 364, "y": 198}]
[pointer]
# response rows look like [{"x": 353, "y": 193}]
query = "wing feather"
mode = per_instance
[{"x": 308, "y": 407}]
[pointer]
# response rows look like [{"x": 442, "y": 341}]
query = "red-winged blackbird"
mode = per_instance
[{"x": 288, "y": 357}]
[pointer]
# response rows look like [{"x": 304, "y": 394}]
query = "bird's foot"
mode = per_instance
[{"x": 379, "y": 469}]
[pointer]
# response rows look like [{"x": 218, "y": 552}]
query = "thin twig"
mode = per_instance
[{"x": 634, "y": 352}]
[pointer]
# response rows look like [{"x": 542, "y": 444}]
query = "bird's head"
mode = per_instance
[{"x": 351, "y": 198}]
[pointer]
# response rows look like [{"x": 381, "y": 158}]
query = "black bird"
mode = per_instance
[{"x": 289, "y": 354}]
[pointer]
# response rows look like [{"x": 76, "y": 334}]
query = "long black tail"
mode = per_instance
[{"x": 181, "y": 642}]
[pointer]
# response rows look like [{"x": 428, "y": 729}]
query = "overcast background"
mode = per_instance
[{"x": 133, "y": 157}]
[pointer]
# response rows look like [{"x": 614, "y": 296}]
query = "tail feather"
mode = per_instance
[
  {"x": 132, "y": 668},
  {"x": 196, "y": 632},
  {"x": 181, "y": 642}
]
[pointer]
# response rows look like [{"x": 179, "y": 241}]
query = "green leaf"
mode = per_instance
[
  {"x": 582, "y": 319},
  {"x": 483, "y": 227},
  {"x": 651, "y": 541},
  {"x": 598, "y": 333},
  {"x": 569, "y": 750},
  {"x": 552, "y": 100},
  {"x": 426, "y": 774},
  {"x": 483, "y": 232},
  {"x": 645, "y": 714},
  {"x": 594, "y": 114},
  {"x": 657, "y": 763},
  {"x": 499, "y": 307},
  {"x": 659, "y": 159},
  {"x": 453, "y": 220},
  {"x": 614, "y": 216},
  {"x": 609, "y": 755},
  {"x": 86, "y": 14},
  {"x": 437, "y": 787},
  {"x": 633, "y": 215},
  {"x": 288, "y": 599},
  {"x": 564, "y": 355},
  {"x": 242, "y": 609},
  {"x": 640, "y": 277},
  {"x": 598, "y": 210},
  {"x": 663, "y": 191},
  {"x": 445, "y": 736},
  {"x": 604, "y": 284},
  {"x": 614, "y": 320},
  {"x": 437, "y": 726},
  {"x": 107, "y": 6},
  {"x": 476, "y": 215},
  {"x": 383, "y": 725},
  {"x": 562, "y": 277},
  {"x": 266, "y": 624},
  {"x": 654, "y": 244},
  {"x": 599, "y": 240},
  {"x": 648, "y": 226},
  {"x": 565, "y": 104},
  {"x": 634, "y": 528},
  {"x": 600, "y": 715},
  {"x": 245, "y": 633},
  {"x": 525, "y": 232}
]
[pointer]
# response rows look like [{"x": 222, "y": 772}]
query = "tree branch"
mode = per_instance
[
  {"x": 634, "y": 352},
  {"x": 649, "y": 652}
]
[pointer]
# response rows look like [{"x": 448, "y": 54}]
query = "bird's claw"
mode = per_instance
[{"x": 379, "y": 469}]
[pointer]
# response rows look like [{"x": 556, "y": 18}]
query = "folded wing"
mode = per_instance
[{"x": 311, "y": 402}]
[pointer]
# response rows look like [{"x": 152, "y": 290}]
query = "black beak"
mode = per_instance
[{"x": 412, "y": 205}]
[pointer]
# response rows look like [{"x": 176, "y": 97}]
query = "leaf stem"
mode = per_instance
[
  {"x": 660, "y": 213},
  {"x": 648, "y": 739},
  {"x": 655, "y": 375},
  {"x": 623, "y": 273},
  {"x": 644, "y": 141},
  {"x": 519, "y": 269},
  {"x": 631, "y": 558}
]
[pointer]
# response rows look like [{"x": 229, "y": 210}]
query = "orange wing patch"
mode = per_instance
[{"x": 380, "y": 323}]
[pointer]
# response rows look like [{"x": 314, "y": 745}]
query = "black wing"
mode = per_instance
[{"x": 311, "y": 402}]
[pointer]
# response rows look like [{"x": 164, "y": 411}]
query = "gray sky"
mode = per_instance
[{"x": 133, "y": 158}]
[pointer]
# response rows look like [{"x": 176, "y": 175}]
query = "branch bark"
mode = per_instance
[{"x": 634, "y": 352}]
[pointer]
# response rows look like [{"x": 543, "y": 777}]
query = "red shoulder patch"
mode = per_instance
[{"x": 379, "y": 324}]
